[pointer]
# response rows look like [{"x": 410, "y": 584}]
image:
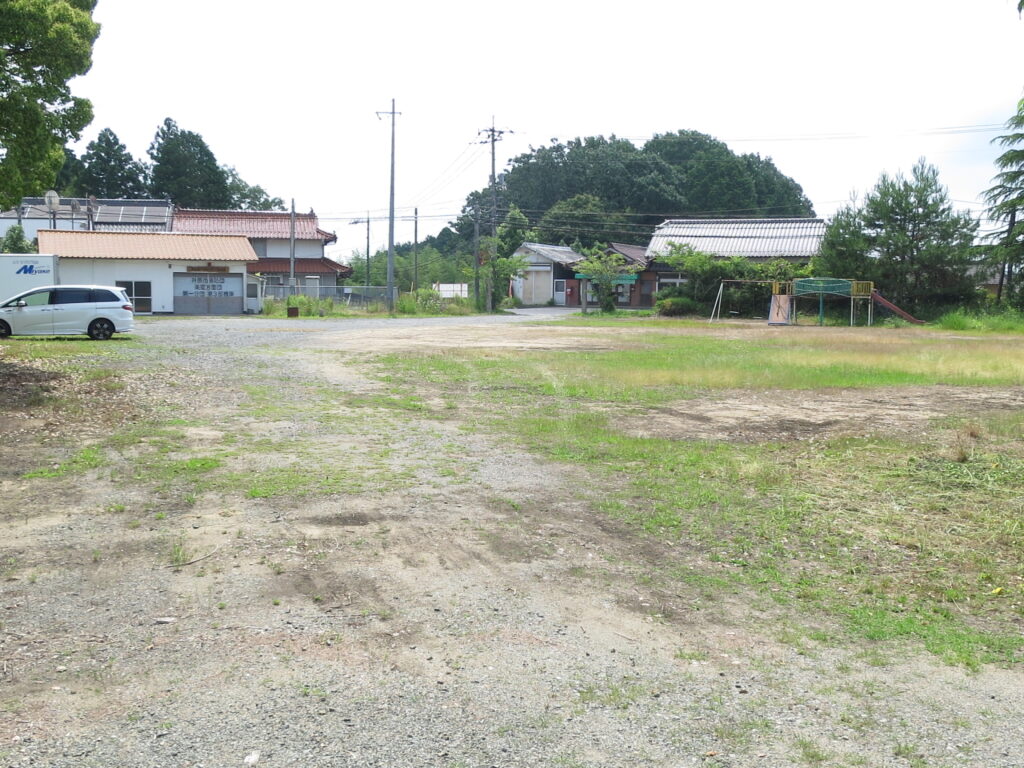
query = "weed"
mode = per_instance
[
  {"x": 810, "y": 752},
  {"x": 179, "y": 553}
]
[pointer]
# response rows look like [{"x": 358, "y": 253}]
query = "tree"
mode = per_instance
[
  {"x": 513, "y": 232},
  {"x": 185, "y": 170},
  {"x": 110, "y": 170},
  {"x": 908, "y": 239},
  {"x": 582, "y": 218},
  {"x": 1006, "y": 201},
  {"x": 16, "y": 242},
  {"x": 43, "y": 45},
  {"x": 604, "y": 270},
  {"x": 69, "y": 175},
  {"x": 249, "y": 198}
]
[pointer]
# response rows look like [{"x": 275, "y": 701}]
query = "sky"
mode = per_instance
[{"x": 291, "y": 93}]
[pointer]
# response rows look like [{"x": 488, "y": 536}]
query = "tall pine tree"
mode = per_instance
[
  {"x": 110, "y": 170},
  {"x": 185, "y": 169}
]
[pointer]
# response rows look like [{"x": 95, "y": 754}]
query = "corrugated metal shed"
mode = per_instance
[
  {"x": 755, "y": 239},
  {"x": 163, "y": 246},
  {"x": 561, "y": 254}
]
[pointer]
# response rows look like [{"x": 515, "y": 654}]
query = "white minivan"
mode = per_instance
[{"x": 61, "y": 310}]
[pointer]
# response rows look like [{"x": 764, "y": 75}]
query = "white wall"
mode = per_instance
[
  {"x": 304, "y": 249},
  {"x": 159, "y": 273}
]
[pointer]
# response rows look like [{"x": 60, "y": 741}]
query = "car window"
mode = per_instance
[
  {"x": 37, "y": 299},
  {"x": 72, "y": 296},
  {"x": 99, "y": 294}
]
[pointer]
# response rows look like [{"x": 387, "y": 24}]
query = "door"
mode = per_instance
[
  {"x": 73, "y": 310},
  {"x": 140, "y": 293},
  {"x": 35, "y": 318},
  {"x": 560, "y": 293}
]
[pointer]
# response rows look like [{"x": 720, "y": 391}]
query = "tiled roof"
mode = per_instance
[
  {"x": 793, "y": 239},
  {"x": 562, "y": 254},
  {"x": 160, "y": 246},
  {"x": 274, "y": 225},
  {"x": 323, "y": 266},
  {"x": 634, "y": 253}
]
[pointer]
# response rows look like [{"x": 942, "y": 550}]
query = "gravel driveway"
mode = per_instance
[{"x": 427, "y": 595}]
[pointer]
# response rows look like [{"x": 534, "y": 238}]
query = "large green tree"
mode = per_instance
[
  {"x": 908, "y": 239},
  {"x": 185, "y": 170},
  {"x": 584, "y": 219},
  {"x": 246, "y": 197},
  {"x": 1006, "y": 202},
  {"x": 678, "y": 174},
  {"x": 110, "y": 170},
  {"x": 43, "y": 45}
]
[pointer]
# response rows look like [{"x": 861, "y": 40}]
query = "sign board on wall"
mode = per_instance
[{"x": 205, "y": 293}]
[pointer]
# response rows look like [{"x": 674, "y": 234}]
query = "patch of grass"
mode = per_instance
[
  {"x": 892, "y": 540},
  {"x": 83, "y": 461},
  {"x": 179, "y": 553},
  {"x": 610, "y": 695},
  {"x": 809, "y": 752}
]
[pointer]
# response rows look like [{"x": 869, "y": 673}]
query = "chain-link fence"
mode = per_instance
[{"x": 349, "y": 295}]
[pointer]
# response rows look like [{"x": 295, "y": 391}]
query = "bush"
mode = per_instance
[
  {"x": 676, "y": 306},
  {"x": 510, "y": 302},
  {"x": 458, "y": 308},
  {"x": 1007, "y": 320}
]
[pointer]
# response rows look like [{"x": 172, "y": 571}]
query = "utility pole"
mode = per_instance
[
  {"x": 391, "y": 213},
  {"x": 291, "y": 248},
  {"x": 476, "y": 259},
  {"x": 494, "y": 135},
  {"x": 415, "y": 247},
  {"x": 367, "y": 252}
]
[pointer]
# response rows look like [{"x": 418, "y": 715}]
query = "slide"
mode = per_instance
[{"x": 881, "y": 301}]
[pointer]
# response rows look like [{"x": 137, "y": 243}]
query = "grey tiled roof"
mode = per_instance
[
  {"x": 792, "y": 239},
  {"x": 636, "y": 254}
]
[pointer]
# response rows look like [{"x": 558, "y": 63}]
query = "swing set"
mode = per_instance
[{"x": 783, "y": 308}]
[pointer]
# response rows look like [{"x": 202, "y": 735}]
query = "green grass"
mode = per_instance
[
  {"x": 83, "y": 461},
  {"x": 658, "y": 367},
  {"x": 1005, "y": 321},
  {"x": 915, "y": 539}
]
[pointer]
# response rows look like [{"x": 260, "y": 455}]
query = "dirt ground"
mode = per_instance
[{"x": 450, "y": 601}]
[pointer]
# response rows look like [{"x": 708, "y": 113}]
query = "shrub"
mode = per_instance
[
  {"x": 407, "y": 304},
  {"x": 675, "y": 306},
  {"x": 510, "y": 302}
]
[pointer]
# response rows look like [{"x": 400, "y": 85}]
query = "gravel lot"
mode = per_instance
[{"x": 448, "y": 601}]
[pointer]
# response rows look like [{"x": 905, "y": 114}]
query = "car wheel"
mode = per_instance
[
  {"x": 101, "y": 329},
  {"x": 5, "y": 329}
]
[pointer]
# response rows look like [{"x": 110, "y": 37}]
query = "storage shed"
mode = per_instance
[{"x": 162, "y": 272}]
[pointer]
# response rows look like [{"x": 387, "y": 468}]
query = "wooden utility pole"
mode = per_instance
[
  {"x": 415, "y": 247},
  {"x": 1004, "y": 265}
]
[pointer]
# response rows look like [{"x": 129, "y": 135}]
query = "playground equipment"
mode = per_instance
[{"x": 783, "y": 307}]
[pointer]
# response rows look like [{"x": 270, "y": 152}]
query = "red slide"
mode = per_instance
[{"x": 881, "y": 301}]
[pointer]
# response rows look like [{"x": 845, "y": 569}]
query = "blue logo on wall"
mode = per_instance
[{"x": 30, "y": 269}]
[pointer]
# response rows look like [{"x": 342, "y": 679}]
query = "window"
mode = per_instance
[
  {"x": 37, "y": 299},
  {"x": 72, "y": 296},
  {"x": 101, "y": 295},
  {"x": 140, "y": 292}
]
